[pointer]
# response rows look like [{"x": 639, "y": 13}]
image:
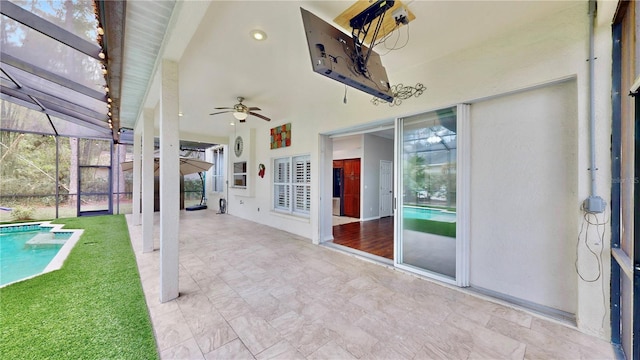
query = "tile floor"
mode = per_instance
[{"x": 248, "y": 291}]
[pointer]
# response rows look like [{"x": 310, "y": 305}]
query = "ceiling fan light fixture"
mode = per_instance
[
  {"x": 258, "y": 35},
  {"x": 240, "y": 115}
]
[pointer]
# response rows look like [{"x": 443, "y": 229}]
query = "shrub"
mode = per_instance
[{"x": 22, "y": 213}]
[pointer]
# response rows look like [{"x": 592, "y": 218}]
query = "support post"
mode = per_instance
[
  {"x": 147, "y": 180},
  {"x": 169, "y": 181},
  {"x": 137, "y": 171}
]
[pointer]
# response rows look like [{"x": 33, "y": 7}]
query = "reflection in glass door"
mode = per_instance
[{"x": 426, "y": 224}]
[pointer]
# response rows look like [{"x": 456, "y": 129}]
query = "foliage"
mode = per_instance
[
  {"x": 414, "y": 174},
  {"x": 424, "y": 181},
  {"x": 28, "y": 163},
  {"x": 76, "y": 16},
  {"x": 92, "y": 308},
  {"x": 193, "y": 185},
  {"x": 22, "y": 213}
]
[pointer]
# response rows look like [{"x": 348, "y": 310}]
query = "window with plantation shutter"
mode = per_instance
[
  {"x": 292, "y": 185},
  {"x": 281, "y": 182}
]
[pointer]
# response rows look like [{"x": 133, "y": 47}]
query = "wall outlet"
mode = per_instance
[{"x": 401, "y": 16}]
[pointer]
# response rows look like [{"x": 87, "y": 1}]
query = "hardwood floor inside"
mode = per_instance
[{"x": 373, "y": 236}]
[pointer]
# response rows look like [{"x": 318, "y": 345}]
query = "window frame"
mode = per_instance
[
  {"x": 217, "y": 170},
  {"x": 295, "y": 189},
  {"x": 240, "y": 172}
]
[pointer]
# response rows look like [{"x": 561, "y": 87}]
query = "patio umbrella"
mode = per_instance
[{"x": 187, "y": 166}]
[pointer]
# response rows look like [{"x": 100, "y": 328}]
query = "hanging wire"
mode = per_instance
[{"x": 589, "y": 220}]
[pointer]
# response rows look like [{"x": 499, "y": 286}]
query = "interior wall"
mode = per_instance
[
  {"x": 348, "y": 147},
  {"x": 375, "y": 148},
  {"x": 524, "y": 194}
]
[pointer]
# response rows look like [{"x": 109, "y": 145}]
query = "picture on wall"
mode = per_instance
[{"x": 281, "y": 136}]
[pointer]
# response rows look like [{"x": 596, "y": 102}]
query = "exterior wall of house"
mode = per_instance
[{"x": 534, "y": 54}]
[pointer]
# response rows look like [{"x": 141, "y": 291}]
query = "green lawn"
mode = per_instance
[
  {"x": 92, "y": 308},
  {"x": 431, "y": 227}
]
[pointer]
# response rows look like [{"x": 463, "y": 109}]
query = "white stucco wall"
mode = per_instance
[
  {"x": 539, "y": 52},
  {"x": 524, "y": 218}
]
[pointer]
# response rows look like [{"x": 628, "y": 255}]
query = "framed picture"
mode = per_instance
[{"x": 281, "y": 136}]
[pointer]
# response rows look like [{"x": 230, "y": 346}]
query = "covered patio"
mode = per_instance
[
  {"x": 252, "y": 291},
  {"x": 531, "y": 119}
]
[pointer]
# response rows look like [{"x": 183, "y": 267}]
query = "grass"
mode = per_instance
[
  {"x": 92, "y": 308},
  {"x": 431, "y": 227}
]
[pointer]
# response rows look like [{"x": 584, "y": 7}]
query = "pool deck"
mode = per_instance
[{"x": 250, "y": 291}]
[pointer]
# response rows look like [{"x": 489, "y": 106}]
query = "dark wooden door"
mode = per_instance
[{"x": 352, "y": 188}]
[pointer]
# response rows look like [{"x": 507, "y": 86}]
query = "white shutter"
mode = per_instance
[
  {"x": 302, "y": 179},
  {"x": 281, "y": 171},
  {"x": 281, "y": 197},
  {"x": 292, "y": 184},
  {"x": 281, "y": 187}
]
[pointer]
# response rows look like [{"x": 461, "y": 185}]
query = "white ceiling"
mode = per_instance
[{"x": 221, "y": 61}]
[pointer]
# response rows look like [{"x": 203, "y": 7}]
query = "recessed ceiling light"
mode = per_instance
[
  {"x": 180, "y": 113},
  {"x": 232, "y": 123},
  {"x": 258, "y": 35}
]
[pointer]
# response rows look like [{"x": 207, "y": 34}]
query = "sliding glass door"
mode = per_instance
[{"x": 427, "y": 178}]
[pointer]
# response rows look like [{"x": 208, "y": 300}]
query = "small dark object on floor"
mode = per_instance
[{"x": 195, "y": 207}]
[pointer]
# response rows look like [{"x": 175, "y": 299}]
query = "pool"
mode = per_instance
[
  {"x": 28, "y": 250},
  {"x": 425, "y": 213}
]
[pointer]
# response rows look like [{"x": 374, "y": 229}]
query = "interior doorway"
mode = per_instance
[
  {"x": 362, "y": 186},
  {"x": 346, "y": 186}
]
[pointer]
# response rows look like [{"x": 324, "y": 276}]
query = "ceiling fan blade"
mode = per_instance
[
  {"x": 223, "y": 108},
  {"x": 260, "y": 116},
  {"x": 220, "y": 112},
  {"x": 253, "y": 108}
]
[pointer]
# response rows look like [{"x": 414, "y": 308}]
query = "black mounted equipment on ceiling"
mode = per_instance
[
  {"x": 360, "y": 25},
  {"x": 345, "y": 58}
]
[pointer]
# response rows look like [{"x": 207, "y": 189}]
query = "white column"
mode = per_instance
[
  {"x": 147, "y": 180},
  {"x": 169, "y": 181},
  {"x": 137, "y": 163}
]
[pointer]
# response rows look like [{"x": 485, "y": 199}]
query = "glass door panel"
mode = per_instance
[{"x": 427, "y": 213}]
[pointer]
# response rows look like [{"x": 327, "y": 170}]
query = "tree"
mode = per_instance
[{"x": 414, "y": 175}]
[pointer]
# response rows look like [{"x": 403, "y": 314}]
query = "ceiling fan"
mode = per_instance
[{"x": 241, "y": 111}]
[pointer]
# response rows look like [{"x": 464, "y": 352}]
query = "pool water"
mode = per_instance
[
  {"x": 19, "y": 260},
  {"x": 429, "y": 214}
]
